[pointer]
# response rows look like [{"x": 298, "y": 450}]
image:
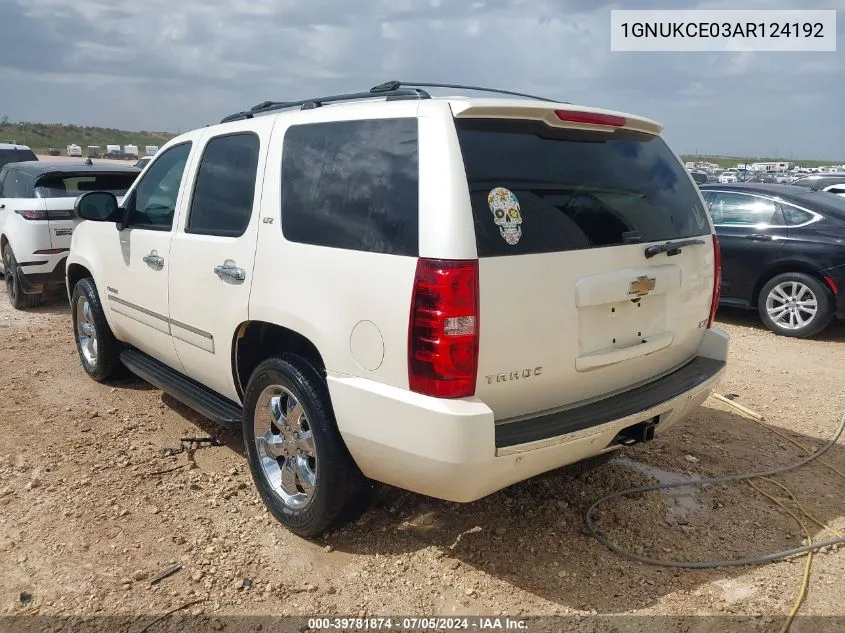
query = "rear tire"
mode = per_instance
[
  {"x": 99, "y": 350},
  {"x": 304, "y": 474},
  {"x": 795, "y": 304},
  {"x": 17, "y": 297}
]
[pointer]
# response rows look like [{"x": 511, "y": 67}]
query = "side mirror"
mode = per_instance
[{"x": 98, "y": 206}]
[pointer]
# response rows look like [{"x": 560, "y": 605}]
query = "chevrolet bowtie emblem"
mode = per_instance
[{"x": 642, "y": 285}]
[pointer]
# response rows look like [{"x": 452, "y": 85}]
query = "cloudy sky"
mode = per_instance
[{"x": 180, "y": 64}]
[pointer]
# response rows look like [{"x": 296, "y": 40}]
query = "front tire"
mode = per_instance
[
  {"x": 304, "y": 474},
  {"x": 17, "y": 297},
  {"x": 795, "y": 304},
  {"x": 99, "y": 350}
]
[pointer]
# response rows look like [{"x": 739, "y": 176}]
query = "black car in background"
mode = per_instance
[
  {"x": 700, "y": 177},
  {"x": 832, "y": 183},
  {"x": 783, "y": 253}
]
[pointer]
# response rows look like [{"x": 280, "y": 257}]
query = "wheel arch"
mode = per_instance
[
  {"x": 781, "y": 268},
  {"x": 256, "y": 341},
  {"x": 73, "y": 274}
]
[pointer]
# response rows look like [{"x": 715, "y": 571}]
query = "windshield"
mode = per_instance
[
  {"x": 537, "y": 189},
  {"x": 16, "y": 156},
  {"x": 71, "y": 185}
]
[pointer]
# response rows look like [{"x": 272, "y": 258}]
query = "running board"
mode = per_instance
[{"x": 187, "y": 391}]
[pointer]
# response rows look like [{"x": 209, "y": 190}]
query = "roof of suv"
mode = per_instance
[
  {"x": 516, "y": 105},
  {"x": 41, "y": 167},
  {"x": 13, "y": 146}
]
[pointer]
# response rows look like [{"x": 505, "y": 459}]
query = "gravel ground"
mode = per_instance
[{"x": 85, "y": 522}]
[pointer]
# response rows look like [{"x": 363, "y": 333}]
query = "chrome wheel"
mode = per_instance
[
  {"x": 285, "y": 446},
  {"x": 791, "y": 305},
  {"x": 86, "y": 332}
]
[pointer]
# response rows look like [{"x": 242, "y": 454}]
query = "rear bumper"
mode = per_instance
[
  {"x": 42, "y": 281},
  {"x": 837, "y": 275},
  {"x": 453, "y": 449}
]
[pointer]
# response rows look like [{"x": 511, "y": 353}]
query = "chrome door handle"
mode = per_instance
[
  {"x": 154, "y": 259},
  {"x": 230, "y": 272}
]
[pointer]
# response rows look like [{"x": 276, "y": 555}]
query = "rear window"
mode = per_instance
[
  {"x": 72, "y": 185},
  {"x": 537, "y": 189},
  {"x": 805, "y": 182},
  {"x": 16, "y": 156},
  {"x": 352, "y": 185}
]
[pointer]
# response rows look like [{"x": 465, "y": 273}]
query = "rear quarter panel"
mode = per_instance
[{"x": 341, "y": 300}]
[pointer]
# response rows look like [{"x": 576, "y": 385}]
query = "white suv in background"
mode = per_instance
[
  {"x": 448, "y": 295},
  {"x": 37, "y": 219},
  {"x": 14, "y": 153},
  {"x": 728, "y": 176}
]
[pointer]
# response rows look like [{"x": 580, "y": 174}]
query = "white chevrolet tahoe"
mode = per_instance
[
  {"x": 449, "y": 295},
  {"x": 37, "y": 218}
]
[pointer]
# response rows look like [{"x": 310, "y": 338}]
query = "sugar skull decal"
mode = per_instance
[{"x": 506, "y": 214}]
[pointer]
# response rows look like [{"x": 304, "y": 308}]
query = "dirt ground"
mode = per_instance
[{"x": 84, "y": 523}]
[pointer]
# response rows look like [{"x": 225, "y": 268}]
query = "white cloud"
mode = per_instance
[{"x": 167, "y": 64}]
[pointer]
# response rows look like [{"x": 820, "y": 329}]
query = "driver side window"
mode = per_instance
[{"x": 154, "y": 201}]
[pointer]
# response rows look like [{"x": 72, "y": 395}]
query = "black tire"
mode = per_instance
[
  {"x": 824, "y": 302},
  {"x": 17, "y": 297},
  {"x": 340, "y": 492},
  {"x": 106, "y": 364}
]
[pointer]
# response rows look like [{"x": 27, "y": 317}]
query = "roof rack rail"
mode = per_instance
[
  {"x": 396, "y": 85},
  {"x": 307, "y": 104}
]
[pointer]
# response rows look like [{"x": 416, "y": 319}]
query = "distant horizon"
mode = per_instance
[{"x": 685, "y": 156}]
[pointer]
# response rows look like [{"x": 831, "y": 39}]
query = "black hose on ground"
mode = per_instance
[{"x": 709, "y": 481}]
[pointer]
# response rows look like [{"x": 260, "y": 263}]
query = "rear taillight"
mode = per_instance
[
  {"x": 32, "y": 214},
  {"x": 717, "y": 279},
  {"x": 51, "y": 251},
  {"x": 443, "y": 329},
  {"x": 594, "y": 118}
]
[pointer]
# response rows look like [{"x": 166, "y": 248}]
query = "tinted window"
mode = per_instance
[
  {"x": 72, "y": 185},
  {"x": 154, "y": 199},
  {"x": 225, "y": 186},
  {"x": 537, "y": 189},
  {"x": 16, "y": 156},
  {"x": 806, "y": 182},
  {"x": 795, "y": 216},
  {"x": 742, "y": 210},
  {"x": 17, "y": 185},
  {"x": 352, "y": 185}
]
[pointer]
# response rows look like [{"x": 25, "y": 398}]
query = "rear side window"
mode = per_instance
[
  {"x": 538, "y": 189},
  {"x": 352, "y": 185},
  {"x": 16, "y": 156},
  {"x": 739, "y": 209},
  {"x": 225, "y": 187},
  {"x": 71, "y": 185},
  {"x": 17, "y": 184},
  {"x": 795, "y": 216}
]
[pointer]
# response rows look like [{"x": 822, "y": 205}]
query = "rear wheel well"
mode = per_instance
[
  {"x": 3, "y": 241},
  {"x": 75, "y": 273},
  {"x": 780, "y": 270},
  {"x": 256, "y": 341}
]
